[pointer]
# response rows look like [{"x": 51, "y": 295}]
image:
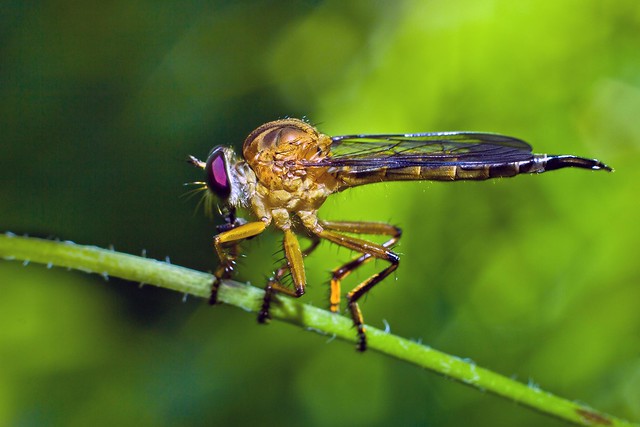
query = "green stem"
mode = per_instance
[{"x": 138, "y": 269}]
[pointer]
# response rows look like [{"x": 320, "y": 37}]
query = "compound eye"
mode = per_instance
[{"x": 217, "y": 177}]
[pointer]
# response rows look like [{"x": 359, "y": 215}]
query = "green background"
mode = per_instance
[{"x": 535, "y": 277}]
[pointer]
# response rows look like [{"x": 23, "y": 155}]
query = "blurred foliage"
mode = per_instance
[{"x": 535, "y": 277}]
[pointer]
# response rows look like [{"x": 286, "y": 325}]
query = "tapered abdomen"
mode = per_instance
[{"x": 452, "y": 171}]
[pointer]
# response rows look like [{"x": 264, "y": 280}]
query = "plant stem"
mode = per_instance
[{"x": 138, "y": 269}]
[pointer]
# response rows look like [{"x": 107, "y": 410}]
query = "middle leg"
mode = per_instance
[{"x": 273, "y": 285}]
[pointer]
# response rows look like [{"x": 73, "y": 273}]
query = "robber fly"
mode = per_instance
[{"x": 288, "y": 169}]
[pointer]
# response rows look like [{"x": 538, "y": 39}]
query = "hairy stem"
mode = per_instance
[{"x": 138, "y": 269}]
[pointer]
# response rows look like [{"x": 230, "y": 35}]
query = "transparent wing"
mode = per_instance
[{"x": 360, "y": 153}]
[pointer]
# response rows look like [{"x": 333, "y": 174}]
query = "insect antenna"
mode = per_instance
[{"x": 196, "y": 162}]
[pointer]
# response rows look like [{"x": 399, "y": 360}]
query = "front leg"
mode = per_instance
[{"x": 226, "y": 246}]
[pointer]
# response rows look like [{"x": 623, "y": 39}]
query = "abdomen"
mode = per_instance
[{"x": 467, "y": 171}]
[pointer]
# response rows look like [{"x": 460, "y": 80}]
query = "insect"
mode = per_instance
[{"x": 288, "y": 169}]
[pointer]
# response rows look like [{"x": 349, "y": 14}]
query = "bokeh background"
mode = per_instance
[{"x": 535, "y": 277}]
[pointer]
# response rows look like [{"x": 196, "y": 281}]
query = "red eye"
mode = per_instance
[{"x": 217, "y": 178}]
